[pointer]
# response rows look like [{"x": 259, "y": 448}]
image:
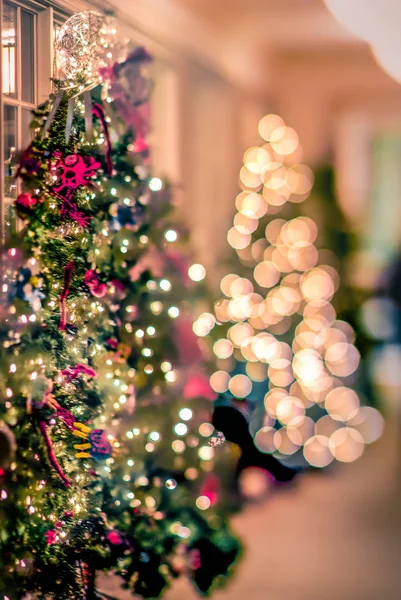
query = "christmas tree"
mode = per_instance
[
  {"x": 286, "y": 360},
  {"x": 107, "y": 447}
]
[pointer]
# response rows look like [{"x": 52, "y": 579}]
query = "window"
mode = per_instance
[
  {"x": 383, "y": 231},
  {"x": 18, "y": 93},
  {"x": 26, "y": 71}
]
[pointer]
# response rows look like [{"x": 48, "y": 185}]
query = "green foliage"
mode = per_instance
[{"x": 125, "y": 513}]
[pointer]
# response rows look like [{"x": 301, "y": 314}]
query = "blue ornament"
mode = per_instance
[
  {"x": 17, "y": 289},
  {"x": 144, "y": 557},
  {"x": 126, "y": 216}
]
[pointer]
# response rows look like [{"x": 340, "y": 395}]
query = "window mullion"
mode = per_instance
[
  {"x": 19, "y": 76},
  {"x": 44, "y": 54},
  {"x": 18, "y": 55},
  {"x": 35, "y": 59},
  {"x": 14, "y": 102}
]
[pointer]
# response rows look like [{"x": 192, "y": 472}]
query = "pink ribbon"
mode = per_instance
[
  {"x": 70, "y": 209},
  {"x": 67, "y": 417},
  {"x": 68, "y": 271},
  {"x": 73, "y": 372},
  {"x": 99, "y": 113}
]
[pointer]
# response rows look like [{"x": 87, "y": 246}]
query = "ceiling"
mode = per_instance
[
  {"x": 259, "y": 39},
  {"x": 250, "y": 42},
  {"x": 273, "y": 24}
]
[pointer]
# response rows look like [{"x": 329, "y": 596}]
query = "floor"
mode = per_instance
[{"x": 335, "y": 535}]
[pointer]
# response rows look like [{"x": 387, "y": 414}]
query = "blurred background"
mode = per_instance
[
  {"x": 331, "y": 70},
  {"x": 334, "y": 534}
]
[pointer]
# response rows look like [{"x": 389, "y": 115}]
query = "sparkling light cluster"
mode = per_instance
[
  {"x": 84, "y": 43},
  {"x": 186, "y": 433},
  {"x": 280, "y": 320}
]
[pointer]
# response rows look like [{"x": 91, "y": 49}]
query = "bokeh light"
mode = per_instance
[
  {"x": 280, "y": 327},
  {"x": 254, "y": 483},
  {"x": 197, "y": 272}
]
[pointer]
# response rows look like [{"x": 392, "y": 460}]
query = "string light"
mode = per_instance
[
  {"x": 171, "y": 235},
  {"x": 197, "y": 272},
  {"x": 165, "y": 285},
  {"x": 155, "y": 184},
  {"x": 203, "y": 502},
  {"x": 173, "y": 312},
  {"x": 181, "y": 429},
  {"x": 185, "y": 414}
]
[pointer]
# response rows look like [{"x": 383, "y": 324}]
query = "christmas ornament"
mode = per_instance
[
  {"x": 97, "y": 289},
  {"x": 78, "y": 46},
  {"x": 114, "y": 538},
  {"x": 28, "y": 287},
  {"x": 98, "y": 445},
  {"x": 51, "y": 536},
  {"x": 73, "y": 171},
  {"x": 29, "y": 163},
  {"x": 24, "y": 203},
  {"x": 130, "y": 217},
  {"x": 217, "y": 439}
]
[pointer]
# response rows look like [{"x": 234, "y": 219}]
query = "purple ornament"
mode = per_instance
[{"x": 100, "y": 446}]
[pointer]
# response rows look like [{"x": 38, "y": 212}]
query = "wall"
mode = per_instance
[{"x": 312, "y": 89}]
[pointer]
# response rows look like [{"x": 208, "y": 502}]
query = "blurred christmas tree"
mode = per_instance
[
  {"x": 107, "y": 448},
  {"x": 286, "y": 360},
  {"x": 342, "y": 245}
]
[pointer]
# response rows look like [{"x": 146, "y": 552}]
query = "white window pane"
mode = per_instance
[
  {"x": 27, "y": 57},
  {"x": 8, "y": 43},
  {"x": 10, "y": 144},
  {"x": 10, "y": 220},
  {"x": 26, "y": 133}
]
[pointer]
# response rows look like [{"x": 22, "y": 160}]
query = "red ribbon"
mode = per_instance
[
  {"x": 51, "y": 455},
  {"x": 68, "y": 271},
  {"x": 99, "y": 113}
]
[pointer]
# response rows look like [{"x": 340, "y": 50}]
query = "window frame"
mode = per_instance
[{"x": 46, "y": 17}]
